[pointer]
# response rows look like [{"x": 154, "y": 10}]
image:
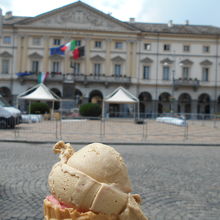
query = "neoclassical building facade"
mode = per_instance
[{"x": 169, "y": 67}]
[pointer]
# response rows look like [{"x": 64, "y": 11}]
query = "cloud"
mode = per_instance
[{"x": 159, "y": 11}]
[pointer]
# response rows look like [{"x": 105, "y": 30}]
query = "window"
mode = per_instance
[
  {"x": 78, "y": 43},
  {"x": 98, "y": 44},
  {"x": 6, "y": 40},
  {"x": 56, "y": 66},
  {"x": 118, "y": 45},
  {"x": 205, "y": 74},
  {"x": 36, "y": 41},
  {"x": 117, "y": 70},
  {"x": 166, "y": 72},
  {"x": 147, "y": 46},
  {"x": 35, "y": 66},
  {"x": 185, "y": 72},
  {"x": 146, "y": 72},
  {"x": 56, "y": 42},
  {"x": 186, "y": 48},
  {"x": 97, "y": 68},
  {"x": 166, "y": 47},
  {"x": 76, "y": 67},
  {"x": 206, "y": 49},
  {"x": 5, "y": 66}
]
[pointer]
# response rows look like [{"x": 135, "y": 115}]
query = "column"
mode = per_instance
[
  {"x": 194, "y": 112},
  {"x": 108, "y": 58}
]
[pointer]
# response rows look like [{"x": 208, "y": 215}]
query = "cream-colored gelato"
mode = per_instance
[{"x": 94, "y": 179}]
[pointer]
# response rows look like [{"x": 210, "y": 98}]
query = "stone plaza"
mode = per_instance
[{"x": 175, "y": 182}]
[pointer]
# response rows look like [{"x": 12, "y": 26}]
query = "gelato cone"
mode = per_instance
[{"x": 91, "y": 183}]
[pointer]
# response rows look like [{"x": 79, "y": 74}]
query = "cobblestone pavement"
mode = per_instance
[{"x": 175, "y": 182}]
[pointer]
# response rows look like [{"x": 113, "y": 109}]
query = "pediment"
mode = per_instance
[
  {"x": 118, "y": 59},
  {"x": 35, "y": 56},
  {"x": 186, "y": 62},
  {"x": 78, "y": 16},
  {"x": 97, "y": 58},
  {"x": 5, "y": 54},
  {"x": 166, "y": 61},
  {"x": 147, "y": 60},
  {"x": 206, "y": 63}
]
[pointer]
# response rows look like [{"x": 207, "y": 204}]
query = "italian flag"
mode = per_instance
[
  {"x": 42, "y": 77},
  {"x": 78, "y": 52},
  {"x": 70, "y": 46}
]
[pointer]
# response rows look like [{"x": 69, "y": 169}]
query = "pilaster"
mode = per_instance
[
  {"x": 46, "y": 54},
  {"x": 87, "y": 55},
  {"x": 24, "y": 48}
]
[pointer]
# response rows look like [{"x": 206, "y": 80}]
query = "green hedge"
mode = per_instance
[
  {"x": 39, "y": 108},
  {"x": 90, "y": 110}
]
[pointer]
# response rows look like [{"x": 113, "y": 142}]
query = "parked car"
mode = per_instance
[{"x": 9, "y": 115}]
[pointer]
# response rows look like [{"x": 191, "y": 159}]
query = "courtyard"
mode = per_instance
[{"x": 122, "y": 131}]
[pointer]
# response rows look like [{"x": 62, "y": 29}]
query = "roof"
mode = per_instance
[
  {"x": 175, "y": 28},
  {"x": 41, "y": 92},
  {"x": 121, "y": 95}
]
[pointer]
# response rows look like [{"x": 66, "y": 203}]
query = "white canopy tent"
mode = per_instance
[
  {"x": 41, "y": 93},
  {"x": 120, "y": 96}
]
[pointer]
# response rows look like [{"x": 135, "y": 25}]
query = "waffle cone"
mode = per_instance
[{"x": 52, "y": 212}]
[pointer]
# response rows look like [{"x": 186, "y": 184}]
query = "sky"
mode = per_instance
[{"x": 202, "y": 12}]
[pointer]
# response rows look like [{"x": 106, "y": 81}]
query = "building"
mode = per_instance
[{"x": 169, "y": 67}]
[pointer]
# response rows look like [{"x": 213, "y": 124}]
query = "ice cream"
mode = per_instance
[{"x": 91, "y": 183}]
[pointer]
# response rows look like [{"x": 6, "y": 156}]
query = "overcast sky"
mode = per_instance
[{"x": 204, "y": 12}]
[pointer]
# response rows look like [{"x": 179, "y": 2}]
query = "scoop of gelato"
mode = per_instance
[{"x": 102, "y": 163}]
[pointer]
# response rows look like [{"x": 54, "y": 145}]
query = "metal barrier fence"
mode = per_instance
[{"x": 197, "y": 129}]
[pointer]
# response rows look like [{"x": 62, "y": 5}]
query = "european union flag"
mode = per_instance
[{"x": 56, "y": 50}]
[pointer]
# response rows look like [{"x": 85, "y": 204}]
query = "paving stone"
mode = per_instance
[{"x": 175, "y": 182}]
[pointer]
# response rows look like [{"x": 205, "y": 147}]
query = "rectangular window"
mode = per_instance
[
  {"x": 6, "y": 40},
  {"x": 98, "y": 44},
  {"x": 166, "y": 47},
  {"x": 166, "y": 73},
  {"x": 117, "y": 70},
  {"x": 206, "y": 49},
  {"x": 146, "y": 72},
  {"x": 56, "y": 66},
  {"x": 185, "y": 72},
  {"x": 56, "y": 42},
  {"x": 76, "y": 67},
  {"x": 147, "y": 46},
  {"x": 118, "y": 45},
  {"x": 78, "y": 43},
  {"x": 97, "y": 68},
  {"x": 35, "y": 66},
  {"x": 186, "y": 48},
  {"x": 5, "y": 66},
  {"x": 36, "y": 41},
  {"x": 205, "y": 74}
]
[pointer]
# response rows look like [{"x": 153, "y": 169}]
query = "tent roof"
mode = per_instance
[
  {"x": 121, "y": 95},
  {"x": 41, "y": 92}
]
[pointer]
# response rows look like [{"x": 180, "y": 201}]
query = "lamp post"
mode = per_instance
[{"x": 172, "y": 98}]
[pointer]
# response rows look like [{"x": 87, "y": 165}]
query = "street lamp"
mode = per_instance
[{"x": 172, "y": 98}]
